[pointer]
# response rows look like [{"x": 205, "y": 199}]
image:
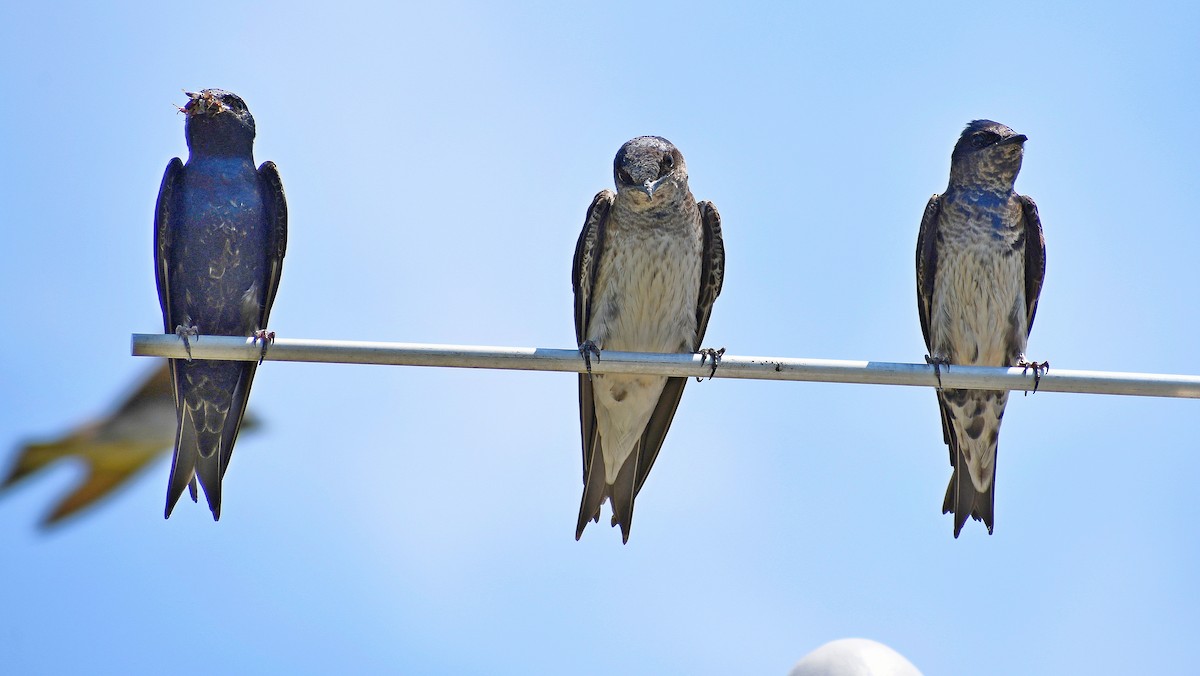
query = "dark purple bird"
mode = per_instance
[{"x": 220, "y": 230}]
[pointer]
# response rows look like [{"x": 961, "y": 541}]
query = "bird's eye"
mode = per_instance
[
  {"x": 665, "y": 165},
  {"x": 624, "y": 176},
  {"x": 980, "y": 139}
]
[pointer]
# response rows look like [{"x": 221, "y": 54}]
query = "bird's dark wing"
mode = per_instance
[
  {"x": 163, "y": 214},
  {"x": 584, "y": 270},
  {"x": 927, "y": 265},
  {"x": 164, "y": 217},
  {"x": 237, "y": 410},
  {"x": 712, "y": 276},
  {"x": 712, "y": 267},
  {"x": 1035, "y": 257},
  {"x": 586, "y": 265},
  {"x": 272, "y": 194},
  {"x": 926, "y": 273}
]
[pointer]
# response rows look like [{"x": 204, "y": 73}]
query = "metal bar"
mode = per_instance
[{"x": 758, "y": 368}]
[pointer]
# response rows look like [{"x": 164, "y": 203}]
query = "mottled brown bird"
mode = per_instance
[
  {"x": 981, "y": 258},
  {"x": 648, "y": 265}
]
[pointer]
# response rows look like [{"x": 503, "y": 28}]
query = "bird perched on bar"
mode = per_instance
[
  {"x": 220, "y": 231},
  {"x": 114, "y": 449},
  {"x": 648, "y": 265},
  {"x": 981, "y": 258}
]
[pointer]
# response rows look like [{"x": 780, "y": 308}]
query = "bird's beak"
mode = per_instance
[
  {"x": 650, "y": 187},
  {"x": 1015, "y": 138}
]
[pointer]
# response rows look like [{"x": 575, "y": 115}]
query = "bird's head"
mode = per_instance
[
  {"x": 218, "y": 122},
  {"x": 649, "y": 169},
  {"x": 988, "y": 155}
]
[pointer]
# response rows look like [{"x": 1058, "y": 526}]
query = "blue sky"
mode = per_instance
[{"x": 438, "y": 159}]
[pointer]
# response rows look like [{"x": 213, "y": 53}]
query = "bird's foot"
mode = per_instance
[
  {"x": 267, "y": 338},
  {"x": 937, "y": 363},
  {"x": 715, "y": 355},
  {"x": 183, "y": 332},
  {"x": 1038, "y": 369},
  {"x": 586, "y": 349}
]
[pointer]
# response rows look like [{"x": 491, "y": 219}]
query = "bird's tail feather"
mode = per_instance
[
  {"x": 622, "y": 492},
  {"x": 183, "y": 464},
  {"x": 963, "y": 499},
  {"x": 237, "y": 412},
  {"x": 211, "y": 434},
  {"x": 208, "y": 469},
  {"x": 594, "y": 491},
  {"x": 197, "y": 456}
]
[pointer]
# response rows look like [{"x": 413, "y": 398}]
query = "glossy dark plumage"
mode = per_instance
[{"x": 220, "y": 236}]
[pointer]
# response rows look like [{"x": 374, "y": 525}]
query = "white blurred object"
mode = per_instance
[{"x": 854, "y": 657}]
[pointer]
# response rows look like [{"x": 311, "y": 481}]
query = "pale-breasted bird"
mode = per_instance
[
  {"x": 981, "y": 258},
  {"x": 648, "y": 265},
  {"x": 220, "y": 231}
]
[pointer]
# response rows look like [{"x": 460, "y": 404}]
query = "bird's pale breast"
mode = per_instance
[
  {"x": 647, "y": 289},
  {"x": 979, "y": 314},
  {"x": 646, "y": 295}
]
